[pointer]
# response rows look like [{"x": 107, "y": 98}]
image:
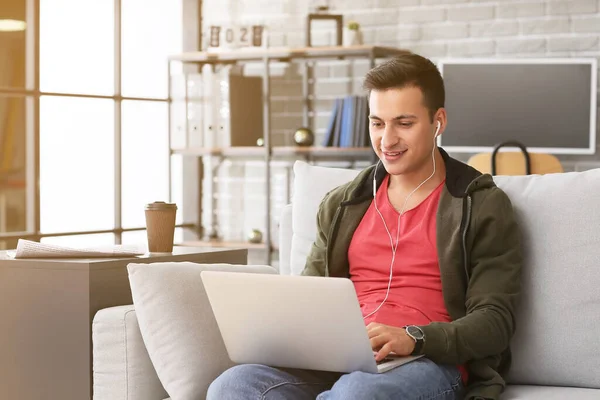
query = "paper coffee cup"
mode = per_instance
[{"x": 160, "y": 226}]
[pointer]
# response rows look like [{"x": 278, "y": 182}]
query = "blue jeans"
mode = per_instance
[{"x": 421, "y": 379}]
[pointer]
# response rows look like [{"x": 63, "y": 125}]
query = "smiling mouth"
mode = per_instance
[{"x": 393, "y": 153}]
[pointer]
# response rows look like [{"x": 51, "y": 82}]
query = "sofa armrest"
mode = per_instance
[{"x": 121, "y": 364}]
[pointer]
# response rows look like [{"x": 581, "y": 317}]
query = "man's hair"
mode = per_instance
[{"x": 409, "y": 70}]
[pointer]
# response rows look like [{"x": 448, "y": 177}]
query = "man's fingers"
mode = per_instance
[
  {"x": 378, "y": 341},
  {"x": 374, "y": 325},
  {"x": 374, "y": 329},
  {"x": 383, "y": 353}
]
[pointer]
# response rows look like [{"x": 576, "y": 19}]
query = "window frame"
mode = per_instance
[{"x": 32, "y": 92}]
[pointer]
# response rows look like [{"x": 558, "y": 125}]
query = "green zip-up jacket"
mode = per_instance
[{"x": 480, "y": 257}]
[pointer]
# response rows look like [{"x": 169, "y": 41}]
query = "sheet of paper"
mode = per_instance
[{"x": 31, "y": 249}]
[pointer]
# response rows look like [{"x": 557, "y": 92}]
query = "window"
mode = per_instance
[
  {"x": 99, "y": 110},
  {"x": 76, "y": 164},
  {"x": 78, "y": 241},
  {"x": 82, "y": 110},
  {"x": 145, "y": 158},
  {"x": 77, "y": 46}
]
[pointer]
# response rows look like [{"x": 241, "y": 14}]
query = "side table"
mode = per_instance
[{"x": 46, "y": 312}]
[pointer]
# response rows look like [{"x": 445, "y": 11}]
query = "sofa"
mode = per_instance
[{"x": 556, "y": 348}]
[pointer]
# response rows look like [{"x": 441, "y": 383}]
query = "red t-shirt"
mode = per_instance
[{"x": 415, "y": 296}]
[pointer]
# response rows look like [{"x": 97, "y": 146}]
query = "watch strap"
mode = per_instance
[{"x": 418, "y": 347}]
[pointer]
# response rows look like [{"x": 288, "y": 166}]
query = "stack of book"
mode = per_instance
[{"x": 349, "y": 123}]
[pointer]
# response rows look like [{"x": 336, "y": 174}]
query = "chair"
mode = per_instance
[{"x": 515, "y": 163}]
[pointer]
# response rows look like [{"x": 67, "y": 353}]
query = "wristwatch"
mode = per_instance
[{"x": 418, "y": 336}]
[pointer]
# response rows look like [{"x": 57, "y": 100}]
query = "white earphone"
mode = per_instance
[{"x": 395, "y": 246}]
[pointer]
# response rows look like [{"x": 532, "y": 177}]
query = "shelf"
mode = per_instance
[
  {"x": 242, "y": 151},
  {"x": 279, "y": 152},
  {"x": 286, "y": 53},
  {"x": 325, "y": 152},
  {"x": 224, "y": 244}
]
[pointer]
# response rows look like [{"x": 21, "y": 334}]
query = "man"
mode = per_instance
[{"x": 432, "y": 248}]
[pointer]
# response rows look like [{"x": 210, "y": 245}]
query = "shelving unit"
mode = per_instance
[
  {"x": 307, "y": 57},
  {"x": 278, "y": 152}
]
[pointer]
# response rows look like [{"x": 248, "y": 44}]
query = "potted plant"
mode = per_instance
[{"x": 353, "y": 34}]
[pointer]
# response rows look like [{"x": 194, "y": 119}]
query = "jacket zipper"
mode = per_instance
[
  {"x": 332, "y": 232},
  {"x": 467, "y": 221}
]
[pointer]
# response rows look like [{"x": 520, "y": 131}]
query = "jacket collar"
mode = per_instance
[{"x": 461, "y": 179}]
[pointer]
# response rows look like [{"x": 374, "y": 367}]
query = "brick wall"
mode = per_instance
[{"x": 433, "y": 28}]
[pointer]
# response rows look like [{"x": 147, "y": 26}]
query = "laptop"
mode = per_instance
[{"x": 293, "y": 322}]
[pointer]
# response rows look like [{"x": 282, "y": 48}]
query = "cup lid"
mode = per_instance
[{"x": 161, "y": 205}]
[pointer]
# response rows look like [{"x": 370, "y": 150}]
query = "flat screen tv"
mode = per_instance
[{"x": 549, "y": 105}]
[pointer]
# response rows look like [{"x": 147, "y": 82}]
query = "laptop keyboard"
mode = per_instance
[{"x": 387, "y": 359}]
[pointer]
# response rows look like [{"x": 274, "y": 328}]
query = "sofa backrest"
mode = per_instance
[
  {"x": 311, "y": 184},
  {"x": 558, "y": 318}
]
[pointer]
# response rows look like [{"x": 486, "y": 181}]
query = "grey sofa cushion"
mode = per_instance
[
  {"x": 557, "y": 341},
  {"x": 178, "y": 326}
]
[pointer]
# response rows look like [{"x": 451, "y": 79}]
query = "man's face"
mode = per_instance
[{"x": 401, "y": 130}]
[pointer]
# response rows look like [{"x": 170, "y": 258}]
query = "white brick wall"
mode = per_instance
[
  {"x": 373, "y": 18},
  {"x": 572, "y": 7},
  {"x": 433, "y": 28},
  {"x": 421, "y": 14},
  {"x": 520, "y": 46},
  {"x": 574, "y": 44},
  {"x": 521, "y": 9},
  {"x": 447, "y": 30},
  {"x": 546, "y": 26},
  {"x": 479, "y": 48},
  {"x": 494, "y": 29},
  {"x": 586, "y": 24},
  {"x": 471, "y": 13},
  {"x": 406, "y": 32}
]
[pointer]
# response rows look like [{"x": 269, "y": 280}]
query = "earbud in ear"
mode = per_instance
[{"x": 437, "y": 130}]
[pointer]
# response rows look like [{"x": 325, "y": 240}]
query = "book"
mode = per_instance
[
  {"x": 332, "y": 125},
  {"x": 348, "y": 124}
]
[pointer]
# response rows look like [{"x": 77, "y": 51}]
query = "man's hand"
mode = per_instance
[{"x": 386, "y": 339}]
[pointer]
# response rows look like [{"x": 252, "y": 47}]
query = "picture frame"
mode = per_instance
[{"x": 339, "y": 26}]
